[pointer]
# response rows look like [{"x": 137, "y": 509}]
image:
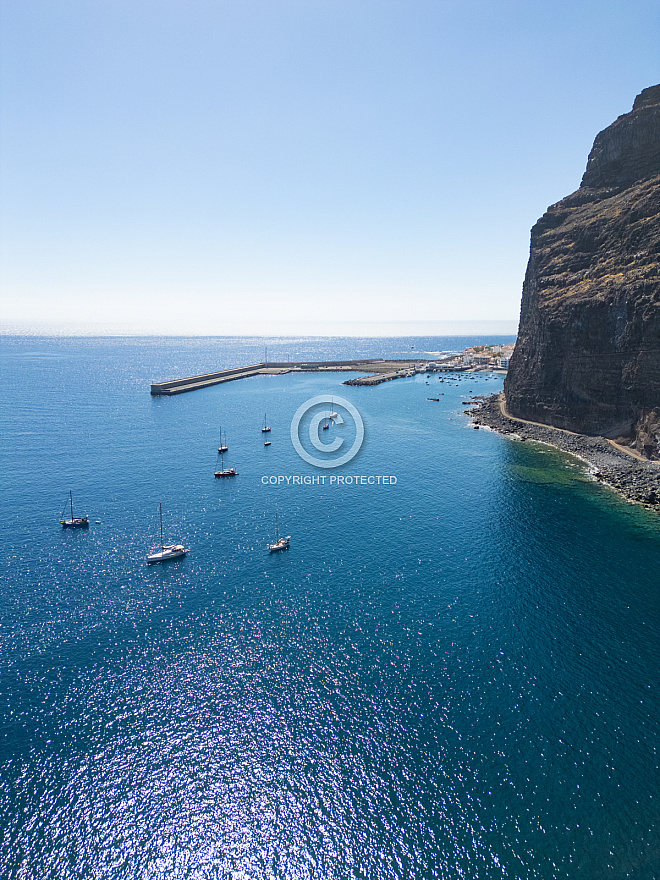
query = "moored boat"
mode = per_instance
[
  {"x": 74, "y": 522},
  {"x": 223, "y": 471},
  {"x": 280, "y": 543},
  {"x": 330, "y": 417},
  {"x": 167, "y": 551}
]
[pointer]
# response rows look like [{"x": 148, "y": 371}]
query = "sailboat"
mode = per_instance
[
  {"x": 167, "y": 551},
  {"x": 225, "y": 472},
  {"x": 75, "y": 522},
  {"x": 333, "y": 415},
  {"x": 223, "y": 443},
  {"x": 280, "y": 543},
  {"x": 266, "y": 426}
]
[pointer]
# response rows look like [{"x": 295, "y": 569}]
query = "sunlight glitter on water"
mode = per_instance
[{"x": 450, "y": 676}]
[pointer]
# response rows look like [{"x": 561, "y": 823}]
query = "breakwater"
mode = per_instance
[{"x": 379, "y": 370}]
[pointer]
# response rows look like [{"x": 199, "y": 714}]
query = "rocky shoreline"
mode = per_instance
[{"x": 636, "y": 480}]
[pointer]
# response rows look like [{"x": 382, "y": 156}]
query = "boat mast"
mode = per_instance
[
  {"x": 162, "y": 545},
  {"x": 71, "y": 499},
  {"x": 277, "y": 527}
]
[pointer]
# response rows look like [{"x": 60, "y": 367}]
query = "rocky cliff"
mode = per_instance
[{"x": 588, "y": 352}]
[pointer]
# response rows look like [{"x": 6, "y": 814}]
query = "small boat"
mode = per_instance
[
  {"x": 226, "y": 472},
  {"x": 266, "y": 426},
  {"x": 266, "y": 442},
  {"x": 280, "y": 543},
  {"x": 223, "y": 443},
  {"x": 223, "y": 471},
  {"x": 167, "y": 551},
  {"x": 436, "y": 399},
  {"x": 331, "y": 416},
  {"x": 75, "y": 522}
]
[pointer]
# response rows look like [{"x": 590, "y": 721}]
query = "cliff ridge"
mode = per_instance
[{"x": 588, "y": 352}]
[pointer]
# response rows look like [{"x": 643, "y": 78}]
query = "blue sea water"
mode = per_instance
[{"x": 453, "y": 675}]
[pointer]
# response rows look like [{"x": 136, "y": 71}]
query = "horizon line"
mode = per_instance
[{"x": 363, "y": 329}]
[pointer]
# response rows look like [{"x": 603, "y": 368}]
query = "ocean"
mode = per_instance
[{"x": 451, "y": 673}]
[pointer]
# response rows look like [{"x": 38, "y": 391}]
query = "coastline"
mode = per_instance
[{"x": 636, "y": 479}]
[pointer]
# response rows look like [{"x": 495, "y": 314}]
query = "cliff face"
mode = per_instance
[{"x": 588, "y": 351}]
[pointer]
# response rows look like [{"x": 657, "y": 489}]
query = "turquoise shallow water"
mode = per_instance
[{"x": 454, "y": 675}]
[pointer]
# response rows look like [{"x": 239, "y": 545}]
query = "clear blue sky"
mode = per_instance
[{"x": 221, "y": 166}]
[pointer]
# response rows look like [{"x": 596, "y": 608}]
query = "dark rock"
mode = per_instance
[
  {"x": 588, "y": 352},
  {"x": 635, "y": 479}
]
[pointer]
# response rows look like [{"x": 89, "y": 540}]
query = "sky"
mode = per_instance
[{"x": 357, "y": 167}]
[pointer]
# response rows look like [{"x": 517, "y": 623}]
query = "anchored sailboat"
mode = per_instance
[
  {"x": 223, "y": 471},
  {"x": 331, "y": 416},
  {"x": 223, "y": 443},
  {"x": 75, "y": 522},
  {"x": 266, "y": 426},
  {"x": 167, "y": 551},
  {"x": 280, "y": 543}
]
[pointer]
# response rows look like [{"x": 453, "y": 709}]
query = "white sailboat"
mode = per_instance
[
  {"x": 223, "y": 471},
  {"x": 266, "y": 427},
  {"x": 223, "y": 443},
  {"x": 167, "y": 551},
  {"x": 331, "y": 416},
  {"x": 280, "y": 543},
  {"x": 74, "y": 522}
]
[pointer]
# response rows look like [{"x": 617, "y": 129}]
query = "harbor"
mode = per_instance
[{"x": 378, "y": 370}]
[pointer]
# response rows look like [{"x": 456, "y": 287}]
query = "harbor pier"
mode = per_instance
[{"x": 378, "y": 371}]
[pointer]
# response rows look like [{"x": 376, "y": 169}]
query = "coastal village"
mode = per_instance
[
  {"x": 490, "y": 357},
  {"x": 472, "y": 358}
]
